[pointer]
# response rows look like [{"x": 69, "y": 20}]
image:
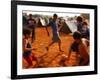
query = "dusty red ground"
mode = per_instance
[{"x": 53, "y": 57}]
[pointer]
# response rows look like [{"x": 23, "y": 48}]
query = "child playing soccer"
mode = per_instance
[
  {"x": 80, "y": 48},
  {"x": 55, "y": 37},
  {"x": 27, "y": 49}
]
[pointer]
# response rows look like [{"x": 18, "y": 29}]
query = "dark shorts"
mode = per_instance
[
  {"x": 27, "y": 54},
  {"x": 56, "y": 38}
]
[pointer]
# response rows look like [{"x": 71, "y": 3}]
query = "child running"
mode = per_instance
[{"x": 55, "y": 33}]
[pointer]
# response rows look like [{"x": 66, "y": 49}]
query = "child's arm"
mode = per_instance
[
  {"x": 61, "y": 25},
  {"x": 69, "y": 53},
  {"x": 27, "y": 49},
  {"x": 47, "y": 31},
  {"x": 84, "y": 54}
]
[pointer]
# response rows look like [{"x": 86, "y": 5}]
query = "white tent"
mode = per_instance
[{"x": 72, "y": 25}]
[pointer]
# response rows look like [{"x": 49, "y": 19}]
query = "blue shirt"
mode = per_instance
[
  {"x": 79, "y": 26},
  {"x": 54, "y": 28}
]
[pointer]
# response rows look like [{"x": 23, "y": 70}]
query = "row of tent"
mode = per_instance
[{"x": 68, "y": 26}]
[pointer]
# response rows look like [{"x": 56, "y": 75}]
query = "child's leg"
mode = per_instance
[
  {"x": 29, "y": 61},
  {"x": 34, "y": 60},
  {"x": 59, "y": 44},
  {"x": 47, "y": 48}
]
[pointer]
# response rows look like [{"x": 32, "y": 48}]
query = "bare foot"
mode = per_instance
[{"x": 61, "y": 50}]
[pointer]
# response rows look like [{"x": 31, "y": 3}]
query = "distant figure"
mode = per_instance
[
  {"x": 31, "y": 24},
  {"x": 79, "y": 23},
  {"x": 55, "y": 33},
  {"x": 27, "y": 49},
  {"x": 24, "y": 20},
  {"x": 80, "y": 47},
  {"x": 85, "y": 30}
]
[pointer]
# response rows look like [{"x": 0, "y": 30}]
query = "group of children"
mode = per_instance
[{"x": 79, "y": 45}]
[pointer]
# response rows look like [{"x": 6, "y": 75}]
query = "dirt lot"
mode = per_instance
[{"x": 51, "y": 58}]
